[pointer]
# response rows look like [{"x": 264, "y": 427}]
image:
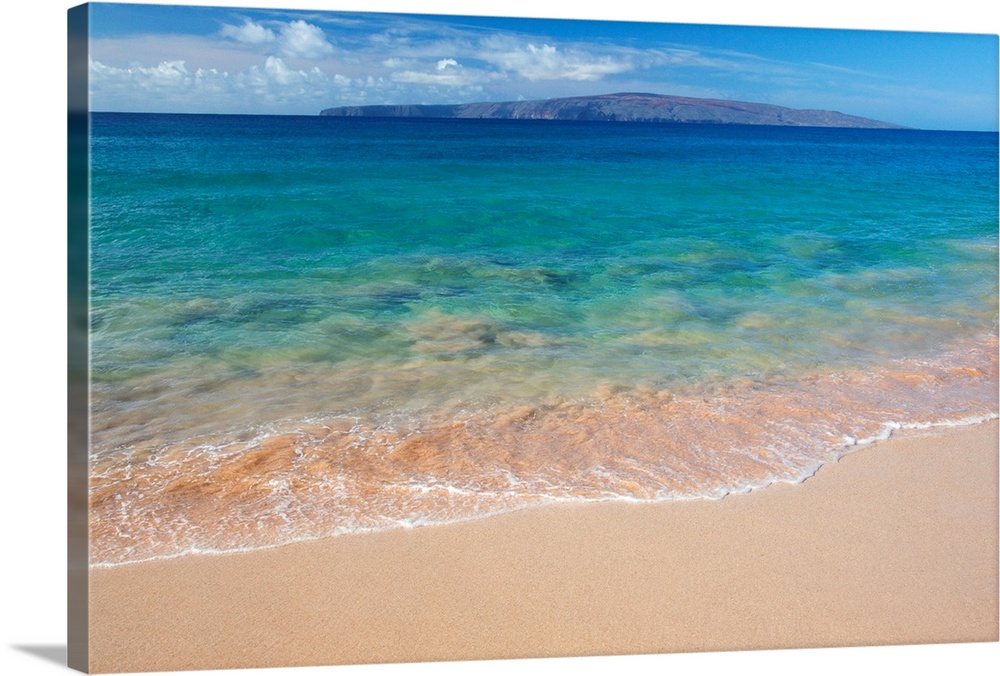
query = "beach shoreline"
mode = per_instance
[{"x": 894, "y": 544}]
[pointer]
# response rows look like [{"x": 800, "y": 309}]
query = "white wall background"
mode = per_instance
[{"x": 32, "y": 262}]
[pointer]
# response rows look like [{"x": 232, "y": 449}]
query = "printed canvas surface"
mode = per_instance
[{"x": 436, "y": 337}]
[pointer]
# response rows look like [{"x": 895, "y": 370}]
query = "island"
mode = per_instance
[{"x": 624, "y": 107}]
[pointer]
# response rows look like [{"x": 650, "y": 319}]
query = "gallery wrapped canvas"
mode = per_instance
[{"x": 403, "y": 337}]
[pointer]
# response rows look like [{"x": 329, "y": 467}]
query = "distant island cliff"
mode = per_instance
[{"x": 626, "y": 107}]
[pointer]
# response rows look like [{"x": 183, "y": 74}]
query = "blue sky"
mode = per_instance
[{"x": 166, "y": 58}]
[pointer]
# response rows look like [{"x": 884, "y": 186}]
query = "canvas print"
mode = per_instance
[{"x": 418, "y": 338}]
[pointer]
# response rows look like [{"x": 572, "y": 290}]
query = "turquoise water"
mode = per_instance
[{"x": 314, "y": 305}]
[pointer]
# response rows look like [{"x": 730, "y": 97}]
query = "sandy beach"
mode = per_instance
[{"x": 894, "y": 544}]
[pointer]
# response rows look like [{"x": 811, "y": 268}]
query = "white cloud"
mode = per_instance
[
  {"x": 171, "y": 86},
  {"x": 304, "y": 40},
  {"x": 548, "y": 62},
  {"x": 295, "y": 39},
  {"x": 447, "y": 73},
  {"x": 277, "y": 82},
  {"x": 281, "y": 74},
  {"x": 249, "y": 33},
  {"x": 166, "y": 77},
  {"x": 211, "y": 82}
]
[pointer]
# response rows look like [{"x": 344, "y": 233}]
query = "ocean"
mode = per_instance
[{"x": 305, "y": 327}]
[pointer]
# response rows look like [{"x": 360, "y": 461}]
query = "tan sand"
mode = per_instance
[{"x": 895, "y": 544}]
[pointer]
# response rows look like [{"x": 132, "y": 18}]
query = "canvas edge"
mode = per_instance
[{"x": 77, "y": 337}]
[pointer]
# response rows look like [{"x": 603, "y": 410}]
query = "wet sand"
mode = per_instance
[{"x": 894, "y": 544}]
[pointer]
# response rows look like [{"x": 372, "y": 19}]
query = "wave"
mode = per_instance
[{"x": 309, "y": 478}]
